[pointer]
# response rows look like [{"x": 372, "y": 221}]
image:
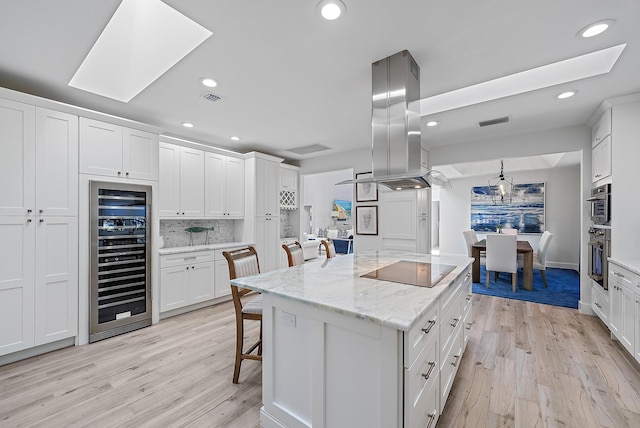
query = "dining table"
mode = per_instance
[{"x": 523, "y": 247}]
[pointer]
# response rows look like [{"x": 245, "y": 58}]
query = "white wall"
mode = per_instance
[
  {"x": 562, "y": 208},
  {"x": 320, "y": 191}
]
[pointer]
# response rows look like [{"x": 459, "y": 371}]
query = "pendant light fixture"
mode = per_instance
[{"x": 501, "y": 187}]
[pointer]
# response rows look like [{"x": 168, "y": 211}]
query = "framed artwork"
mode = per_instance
[
  {"x": 525, "y": 213},
  {"x": 366, "y": 192},
  {"x": 367, "y": 220}
]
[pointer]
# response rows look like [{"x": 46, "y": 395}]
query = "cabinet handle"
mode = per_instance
[
  {"x": 182, "y": 213},
  {"x": 41, "y": 220},
  {"x": 119, "y": 173},
  {"x": 41, "y": 211},
  {"x": 469, "y": 324},
  {"x": 29, "y": 220},
  {"x": 455, "y": 322},
  {"x": 432, "y": 417},
  {"x": 428, "y": 329},
  {"x": 456, "y": 358},
  {"x": 598, "y": 305},
  {"x": 428, "y": 373},
  {"x": 190, "y": 258},
  {"x": 468, "y": 296},
  {"x": 29, "y": 211},
  {"x": 127, "y": 174},
  {"x": 187, "y": 267}
]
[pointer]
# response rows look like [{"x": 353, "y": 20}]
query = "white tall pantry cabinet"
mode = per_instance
[{"x": 38, "y": 226}]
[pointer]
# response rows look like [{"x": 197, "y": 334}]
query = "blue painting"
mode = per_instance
[
  {"x": 525, "y": 212},
  {"x": 343, "y": 208}
]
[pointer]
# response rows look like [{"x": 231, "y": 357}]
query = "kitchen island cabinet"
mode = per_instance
[{"x": 343, "y": 350}]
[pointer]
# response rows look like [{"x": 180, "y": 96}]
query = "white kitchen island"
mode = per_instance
[{"x": 340, "y": 350}]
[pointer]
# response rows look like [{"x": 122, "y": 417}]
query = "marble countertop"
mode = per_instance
[
  {"x": 189, "y": 249},
  {"x": 335, "y": 285},
  {"x": 632, "y": 264}
]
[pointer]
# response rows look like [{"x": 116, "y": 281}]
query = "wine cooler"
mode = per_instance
[{"x": 120, "y": 260}]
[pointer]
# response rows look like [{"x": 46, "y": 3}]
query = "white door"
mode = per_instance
[
  {"x": 234, "y": 187},
  {"x": 191, "y": 182},
  {"x": 169, "y": 180},
  {"x": 17, "y": 279},
  {"x": 56, "y": 163},
  {"x": 139, "y": 154},
  {"x": 100, "y": 148},
  {"x": 214, "y": 185},
  {"x": 56, "y": 289},
  {"x": 201, "y": 282},
  {"x": 267, "y": 242},
  {"x": 174, "y": 284},
  {"x": 17, "y": 160}
]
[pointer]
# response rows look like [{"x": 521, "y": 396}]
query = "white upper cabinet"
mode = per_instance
[
  {"x": 601, "y": 160},
  {"x": 56, "y": 163},
  {"x": 288, "y": 178},
  {"x": 601, "y": 129},
  {"x": 181, "y": 181},
  {"x": 224, "y": 186},
  {"x": 111, "y": 150},
  {"x": 267, "y": 175},
  {"x": 17, "y": 163}
]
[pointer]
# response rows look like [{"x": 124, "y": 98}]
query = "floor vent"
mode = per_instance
[
  {"x": 494, "y": 121},
  {"x": 210, "y": 97}
]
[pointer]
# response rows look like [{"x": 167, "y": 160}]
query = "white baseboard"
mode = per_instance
[{"x": 559, "y": 265}]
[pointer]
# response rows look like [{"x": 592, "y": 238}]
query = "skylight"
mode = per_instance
[
  {"x": 568, "y": 70},
  {"x": 140, "y": 43}
]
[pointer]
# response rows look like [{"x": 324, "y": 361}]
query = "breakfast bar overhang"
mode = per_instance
[{"x": 340, "y": 349}]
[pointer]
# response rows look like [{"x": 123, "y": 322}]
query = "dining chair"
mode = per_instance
[
  {"x": 540, "y": 258},
  {"x": 244, "y": 262},
  {"x": 509, "y": 231},
  {"x": 295, "y": 253},
  {"x": 470, "y": 238},
  {"x": 502, "y": 256},
  {"x": 329, "y": 248}
]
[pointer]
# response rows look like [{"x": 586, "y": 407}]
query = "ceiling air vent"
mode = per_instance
[
  {"x": 210, "y": 97},
  {"x": 305, "y": 150},
  {"x": 494, "y": 121}
]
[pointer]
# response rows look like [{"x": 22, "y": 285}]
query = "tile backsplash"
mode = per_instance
[{"x": 174, "y": 234}]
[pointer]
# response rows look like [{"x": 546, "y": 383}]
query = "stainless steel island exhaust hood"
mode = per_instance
[{"x": 395, "y": 126}]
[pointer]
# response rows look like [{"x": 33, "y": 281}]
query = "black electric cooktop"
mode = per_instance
[{"x": 421, "y": 274}]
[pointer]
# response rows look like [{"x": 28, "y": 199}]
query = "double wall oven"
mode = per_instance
[{"x": 600, "y": 234}]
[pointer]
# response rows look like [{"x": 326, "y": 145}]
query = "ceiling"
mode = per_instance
[{"x": 289, "y": 78}]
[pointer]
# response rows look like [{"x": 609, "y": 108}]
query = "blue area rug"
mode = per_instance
[{"x": 563, "y": 290}]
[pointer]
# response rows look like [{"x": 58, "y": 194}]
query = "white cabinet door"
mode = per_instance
[
  {"x": 267, "y": 175},
  {"x": 222, "y": 287},
  {"x": 234, "y": 187},
  {"x": 140, "y": 154},
  {"x": 601, "y": 129},
  {"x": 398, "y": 215},
  {"x": 628, "y": 318},
  {"x": 169, "y": 180},
  {"x": 100, "y": 148},
  {"x": 601, "y": 160},
  {"x": 422, "y": 235},
  {"x": 201, "y": 278},
  {"x": 267, "y": 242},
  {"x": 56, "y": 289},
  {"x": 174, "y": 282},
  {"x": 615, "y": 308},
  {"x": 191, "y": 182},
  {"x": 17, "y": 165},
  {"x": 56, "y": 163},
  {"x": 288, "y": 178},
  {"x": 17, "y": 283},
  {"x": 214, "y": 185}
]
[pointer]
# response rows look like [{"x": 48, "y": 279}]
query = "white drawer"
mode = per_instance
[
  {"x": 450, "y": 324},
  {"x": 171, "y": 260},
  {"x": 425, "y": 413},
  {"x": 449, "y": 367},
  {"x": 467, "y": 298},
  {"x": 467, "y": 322},
  {"x": 419, "y": 380},
  {"x": 217, "y": 254},
  {"x": 624, "y": 276},
  {"x": 448, "y": 298},
  {"x": 420, "y": 334},
  {"x": 600, "y": 303}
]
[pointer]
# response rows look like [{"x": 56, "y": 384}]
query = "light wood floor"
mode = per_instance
[{"x": 526, "y": 365}]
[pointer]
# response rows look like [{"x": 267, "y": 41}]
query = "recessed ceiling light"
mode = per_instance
[
  {"x": 331, "y": 9},
  {"x": 433, "y": 123},
  {"x": 209, "y": 82},
  {"x": 187, "y": 124},
  {"x": 565, "y": 95},
  {"x": 234, "y": 138},
  {"x": 568, "y": 70},
  {"x": 596, "y": 28}
]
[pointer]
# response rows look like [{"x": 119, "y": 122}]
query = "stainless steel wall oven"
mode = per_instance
[
  {"x": 120, "y": 288},
  {"x": 599, "y": 251},
  {"x": 601, "y": 204}
]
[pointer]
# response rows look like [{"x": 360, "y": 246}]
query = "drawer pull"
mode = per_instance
[
  {"x": 456, "y": 358},
  {"x": 428, "y": 329},
  {"x": 598, "y": 305},
  {"x": 428, "y": 373},
  {"x": 432, "y": 417},
  {"x": 189, "y": 258},
  {"x": 455, "y": 322},
  {"x": 468, "y": 296},
  {"x": 469, "y": 324}
]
